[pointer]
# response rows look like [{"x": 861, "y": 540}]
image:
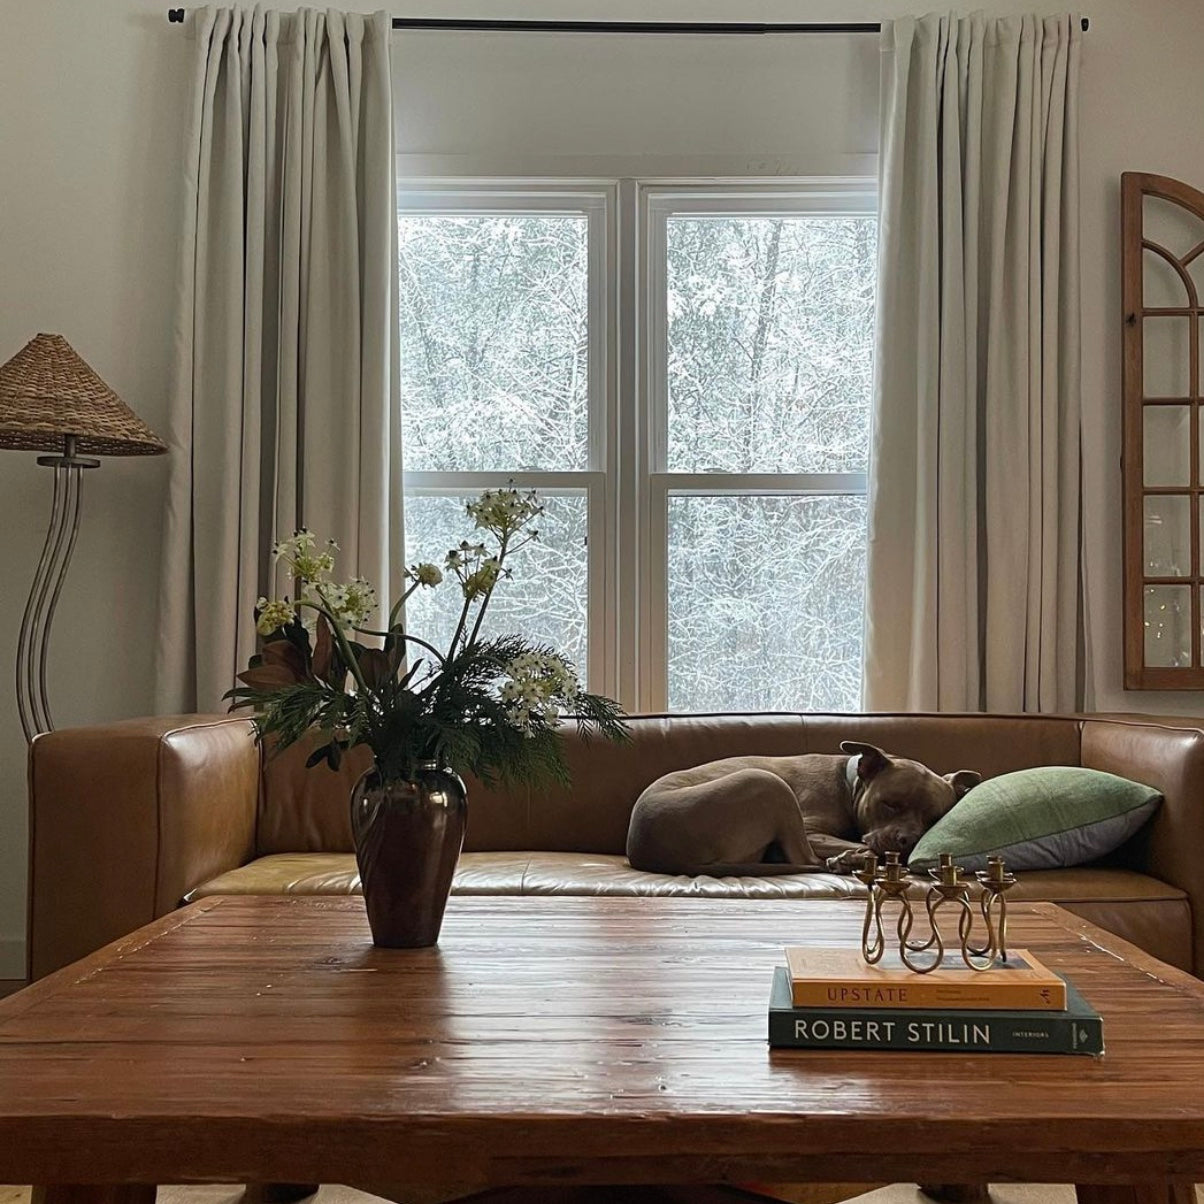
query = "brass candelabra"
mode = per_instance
[{"x": 888, "y": 886}]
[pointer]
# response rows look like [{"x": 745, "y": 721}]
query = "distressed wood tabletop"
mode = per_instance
[{"x": 562, "y": 1040}]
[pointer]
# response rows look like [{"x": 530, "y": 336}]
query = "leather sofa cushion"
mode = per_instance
[
  {"x": 1134, "y": 906},
  {"x": 992, "y": 744},
  {"x": 308, "y": 810}
]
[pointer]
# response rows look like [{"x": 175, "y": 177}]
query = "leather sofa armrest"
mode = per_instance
[
  {"x": 1168, "y": 754},
  {"x": 125, "y": 818}
]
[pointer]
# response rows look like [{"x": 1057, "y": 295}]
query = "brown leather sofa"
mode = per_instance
[{"x": 130, "y": 819}]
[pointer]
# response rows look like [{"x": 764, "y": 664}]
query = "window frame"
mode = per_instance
[
  {"x": 656, "y": 204},
  {"x": 595, "y": 202},
  {"x": 626, "y": 481}
]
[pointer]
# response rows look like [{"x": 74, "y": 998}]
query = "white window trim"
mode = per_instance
[{"x": 654, "y": 205}]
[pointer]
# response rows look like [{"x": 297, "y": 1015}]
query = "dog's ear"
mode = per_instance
[
  {"x": 963, "y": 781},
  {"x": 872, "y": 760}
]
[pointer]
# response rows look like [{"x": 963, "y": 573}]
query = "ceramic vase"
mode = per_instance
[{"x": 408, "y": 836}]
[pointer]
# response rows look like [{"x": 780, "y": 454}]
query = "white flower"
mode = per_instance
[
  {"x": 302, "y": 541},
  {"x": 299, "y": 555},
  {"x": 537, "y": 687},
  {"x": 271, "y": 615},
  {"x": 425, "y": 573},
  {"x": 463, "y": 556},
  {"x": 504, "y": 511},
  {"x": 350, "y": 603},
  {"x": 483, "y": 578}
]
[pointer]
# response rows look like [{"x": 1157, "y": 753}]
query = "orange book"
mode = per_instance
[{"x": 840, "y": 978}]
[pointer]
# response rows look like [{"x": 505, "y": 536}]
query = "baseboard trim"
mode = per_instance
[{"x": 12, "y": 957}]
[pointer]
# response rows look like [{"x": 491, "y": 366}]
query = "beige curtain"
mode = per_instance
[
  {"x": 974, "y": 593},
  {"x": 284, "y": 406}
]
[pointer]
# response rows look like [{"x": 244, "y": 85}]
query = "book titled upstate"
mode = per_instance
[
  {"x": 841, "y": 978},
  {"x": 1077, "y": 1030}
]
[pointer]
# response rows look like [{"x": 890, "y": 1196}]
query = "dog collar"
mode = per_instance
[{"x": 850, "y": 773}]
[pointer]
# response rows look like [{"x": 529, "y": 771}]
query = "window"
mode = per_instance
[
  {"x": 685, "y": 374},
  {"x": 761, "y": 342},
  {"x": 503, "y": 335}
]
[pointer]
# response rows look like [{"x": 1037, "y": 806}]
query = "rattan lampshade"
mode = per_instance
[{"x": 48, "y": 392}]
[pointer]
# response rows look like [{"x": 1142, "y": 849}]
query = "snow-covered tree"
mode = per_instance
[{"x": 770, "y": 324}]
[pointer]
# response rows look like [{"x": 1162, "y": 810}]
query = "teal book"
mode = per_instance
[{"x": 1077, "y": 1030}]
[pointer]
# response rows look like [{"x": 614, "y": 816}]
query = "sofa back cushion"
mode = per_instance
[
  {"x": 306, "y": 810},
  {"x": 992, "y": 744}
]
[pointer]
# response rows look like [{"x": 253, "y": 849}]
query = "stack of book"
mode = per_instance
[{"x": 832, "y": 999}]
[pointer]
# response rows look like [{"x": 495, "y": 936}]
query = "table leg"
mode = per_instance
[
  {"x": 1156, "y": 1191},
  {"x": 84, "y": 1193}
]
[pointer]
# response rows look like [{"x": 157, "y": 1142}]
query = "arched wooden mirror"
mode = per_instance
[{"x": 1163, "y": 282}]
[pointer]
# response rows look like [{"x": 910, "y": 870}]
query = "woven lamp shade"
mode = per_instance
[{"x": 48, "y": 392}]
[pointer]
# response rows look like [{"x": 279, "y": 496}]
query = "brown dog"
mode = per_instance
[{"x": 780, "y": 815}]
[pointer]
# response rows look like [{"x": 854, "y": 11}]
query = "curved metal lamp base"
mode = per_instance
[{"x": 34, "y": 640}]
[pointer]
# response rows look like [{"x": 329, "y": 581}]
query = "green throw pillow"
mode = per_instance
[{"x": 1039, "y": 819}]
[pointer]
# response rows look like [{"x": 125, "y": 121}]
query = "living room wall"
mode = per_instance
[{"x": 94, "y": 97}]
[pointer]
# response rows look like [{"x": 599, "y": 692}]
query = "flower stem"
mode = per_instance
[
  {"x": 451, "y": 651},
  {"x": 341, "y": 639},
  {"x": 410, "y": 639},
  {"x": 501, "y": 560},
  {"x": 396, "y": 607}
]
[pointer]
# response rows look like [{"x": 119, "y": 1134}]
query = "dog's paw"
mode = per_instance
[{"x": 846, "y": 862}]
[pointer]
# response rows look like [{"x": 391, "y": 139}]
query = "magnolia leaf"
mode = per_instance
[
  {"x": 268, "y": 677},
  {"x": 323, "y": 657},
  {"x": 285, "y": 655},
  {"x": 395, "y": 649},
  {"x": 297, "y": 634},
  {"x": 374, "y": 665},
  {"x": 317, "y": 756}
]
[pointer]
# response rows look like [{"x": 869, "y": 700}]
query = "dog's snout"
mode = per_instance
[{"x": 892, "y": 840}]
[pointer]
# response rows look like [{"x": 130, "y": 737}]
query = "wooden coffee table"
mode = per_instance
[{"x": 562, "y": 1041}]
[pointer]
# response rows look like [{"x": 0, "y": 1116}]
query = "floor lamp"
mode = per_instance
[{"x": 50, "y": 400}]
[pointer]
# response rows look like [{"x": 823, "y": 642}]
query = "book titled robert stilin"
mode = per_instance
[{"x": 1076, "y": 1030}]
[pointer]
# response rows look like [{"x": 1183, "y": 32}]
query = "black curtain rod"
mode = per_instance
[{"x": 726, "y": 27}]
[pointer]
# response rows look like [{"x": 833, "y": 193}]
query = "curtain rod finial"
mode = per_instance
[{"x": 176, "y": 16}]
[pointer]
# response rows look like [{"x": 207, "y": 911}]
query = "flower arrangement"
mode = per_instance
[{"x": 488, "y": 706}]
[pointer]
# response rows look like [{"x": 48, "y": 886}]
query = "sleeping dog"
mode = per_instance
[{"x": 782, "y": 815}]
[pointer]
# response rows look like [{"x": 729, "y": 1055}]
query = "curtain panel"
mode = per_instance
[
  {"x": 974, "y": 595},
  {"x": 284, "y": 399}
]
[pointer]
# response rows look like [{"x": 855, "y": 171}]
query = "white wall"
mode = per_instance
[{"x": 93, "y": 98}]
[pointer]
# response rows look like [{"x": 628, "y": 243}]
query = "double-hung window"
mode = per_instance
[
  {"x": 504, "y": 334},
  {"x": 684, "y": 373},
  {"x": 759, "y": 369}
]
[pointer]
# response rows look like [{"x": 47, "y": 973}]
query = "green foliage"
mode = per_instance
[
  {"x": 451, "y": 714},
  {"x": 489, "y": 707}
]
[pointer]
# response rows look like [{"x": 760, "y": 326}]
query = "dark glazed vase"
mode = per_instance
[{"x": 408, "y": 837}]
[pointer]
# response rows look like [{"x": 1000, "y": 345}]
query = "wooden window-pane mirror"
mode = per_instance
[{"x": 1163, "y": 222}]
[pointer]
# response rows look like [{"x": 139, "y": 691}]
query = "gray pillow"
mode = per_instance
[{"x": 1039, "y": 819}]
